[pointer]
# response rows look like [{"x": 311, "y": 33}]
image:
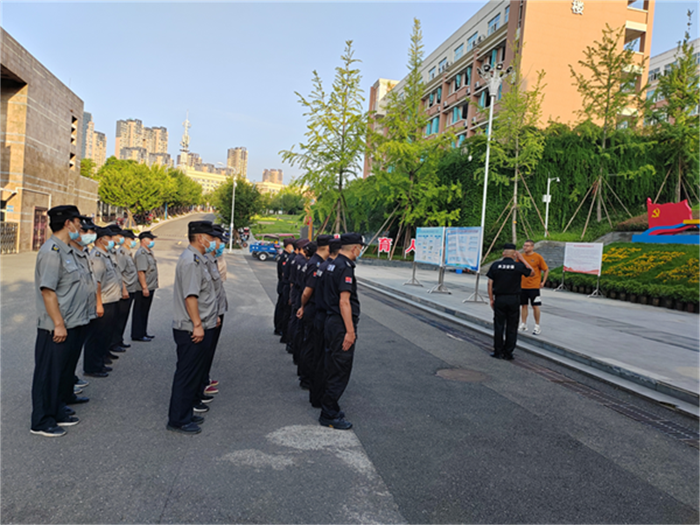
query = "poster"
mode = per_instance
[
  {"x": 429, "y": 242},
  {"x": 462, "y": 247},
  {"x": 582, "y": 257}
]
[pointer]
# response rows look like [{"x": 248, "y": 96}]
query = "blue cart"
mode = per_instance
[{"x": 265, "y": 249}]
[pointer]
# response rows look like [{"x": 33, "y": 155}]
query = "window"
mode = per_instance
[
  {"x": 494, "y": 24},
  {"x": 456, "y": 114},
  {"x": 439, "y": 94},
  {"x": 650, "y": 94},
  {"x": 458, "y": 81},
  {"x": 468, "y": 79},
  {"x": 431, "y": 74},
  {"x": 465, "y": 111},
  {"x": 654, "y": 74},
  {"x": 494, "y": 57},
  {"x": 431, "y": 99},
  {"x": 442, "y": 65},
  {"x": 436, "y": 124},
  {"x": 459, "y": 52},
  {"x": 460, "y": 139},
  {"x": 507, "y": 13},
  {"x": 471, "y": 42}
]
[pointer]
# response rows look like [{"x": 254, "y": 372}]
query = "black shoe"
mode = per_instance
[
  {"x": 68, "y": 422},
  {"x": 496, "y": 355},
  {"x": 96, "y": 374},
  {"x": 508, "y": 357},
  {"x": 77, "y": 390},
  {"x": 151, "y": 336},
  {"x": 197, "y": 420},
  {"x": 112, "y": 356},
  {"x": 206, "y": 399},
  {"x": 107, "y": 369},
  {"x": 118, "y": 349},
  {"x": 77, "y": 400},
  {"x": 81, "y": 383},
  {"x": 200, "y": 407},
  {"x": 141, "y": 339},
  {"x": 124, "y": 345},
  {"x": 305, "y": 386},
  {"x": 340, "y": 423},
  {"x": 277, "y": 332},
  {"x": 189, "y": 428},
  {"x": 107, "y": 361},
  {"x": 49, "y": 432},
  {"x": 69, "y": 411}
]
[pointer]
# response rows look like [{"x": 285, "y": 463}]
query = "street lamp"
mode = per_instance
[
  {"x": 493, "y": 78},
  {"x": 233, "y": 206},
  {"x": 547, "y": 199}
]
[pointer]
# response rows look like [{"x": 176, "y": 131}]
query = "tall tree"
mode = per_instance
[
  {"x": 248, "y": 202},
  {"x": 335, "y": 136},
  {"x": 607, "y": 81},
  {"x": 405, "y": 156},
  {"x": 87, "y": 168},
  {"x": 130, "y": 185},
  {"x": 676, "y": 117}
]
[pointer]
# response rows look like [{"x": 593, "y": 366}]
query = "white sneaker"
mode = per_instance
[
  {"x": 537, "y": 330},
  {"x": 522, "y": 327}
]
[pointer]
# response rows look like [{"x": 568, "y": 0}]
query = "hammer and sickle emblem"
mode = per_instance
[{"x": 656, "y": 213}]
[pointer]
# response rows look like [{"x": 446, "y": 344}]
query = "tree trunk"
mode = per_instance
[
  {"x": 680, "y": 176},
  {"x": 515, "y": 208}
]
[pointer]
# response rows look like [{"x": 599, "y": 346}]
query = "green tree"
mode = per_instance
[
  {"x": 248, "y": 202},
  {"x": 405, "y": 158},
  {"x": 289, "y": 200},
  {"x": 130, "y": 185},
  {"x": 87, "y": 168},
  {"x": 607, "y": 82},
  {"x": 335, "y": 136},
  {"x": 676, "y": 117}
]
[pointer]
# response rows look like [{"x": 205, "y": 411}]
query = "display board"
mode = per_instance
[
  {"x": 462, "y": 247},
  {"x": 429, "y": 244},
  {"x": 582, "y": 257}
]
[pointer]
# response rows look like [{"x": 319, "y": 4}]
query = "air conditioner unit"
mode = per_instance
[
  {"x": 476, "y": 85},
  {"x": 473, "y": 120},
  {"x": 444, "y": 104},
  {"x": 469, "y": 90}
]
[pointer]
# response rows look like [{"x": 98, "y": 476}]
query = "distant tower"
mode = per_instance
[{"x": 185, "y": 142}]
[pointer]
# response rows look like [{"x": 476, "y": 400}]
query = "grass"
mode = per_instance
[{"x": 263, "y": 224}]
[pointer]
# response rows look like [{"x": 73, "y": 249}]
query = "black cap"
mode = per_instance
[
  {"x": 147, "y": 235},
  {"x": 300, "y": 243},
  {"x": 335, "y": 245},
  {"x": 509, "y": 246},
  {"x": 103, "y": 232},
  {"x": 323, "y": 240},
  {"x": 63, "y": 213},
  {"x": 86, "y": 223},
  {"x": 288, "y": 241},
  {"x": 351, "y": 238},
  {"x": 116, "y": 230},
  {"x": 310, "y": 248},
  {"x": 218, "y": 231},
  {"x": 129, "y": 234},
  {"x": 200, "y": 227}
]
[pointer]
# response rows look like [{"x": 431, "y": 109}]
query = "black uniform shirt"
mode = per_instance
[
  {"x": 340, "y": 277},
  {"x": 320, "y": 284},
  {"x": 293, "y": 267},
  {"x": 310, "y": 282},
  {"x": 281, "y": 263},
  {"x": 300, "y": 262},
  {"x": 287, "y": 267},
  {"x": 505, "y": 275}
]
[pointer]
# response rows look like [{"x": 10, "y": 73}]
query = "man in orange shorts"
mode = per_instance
[{"x": 530, "y": 286}]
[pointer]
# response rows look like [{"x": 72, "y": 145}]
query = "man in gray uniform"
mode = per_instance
[
  {"x": 109, "y": 288},
  {"x": 195, "y": 309},
  {"x": 148, "y": 281},
  {"x": 62, "y": 315},
  {"x": 130, "y": 285}
]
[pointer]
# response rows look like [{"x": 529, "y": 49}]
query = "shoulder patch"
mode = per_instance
[
  {"x": 348, "y": 280},
  {"x": 55, "y": 248}
]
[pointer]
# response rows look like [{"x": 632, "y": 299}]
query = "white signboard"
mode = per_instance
[
  {"x": 462, "y": 247},
  {"x": 582, "y": 257},
  {"x": 429, "y": 242}
]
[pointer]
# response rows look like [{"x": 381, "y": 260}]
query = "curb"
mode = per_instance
[{"x": 486, "y": 327}]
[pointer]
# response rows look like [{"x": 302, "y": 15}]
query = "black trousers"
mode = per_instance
[
  {"x": 506, "y": 314},
  {"x": 338, "y": 366},
  {"x": 209, "y": 359},
  {"x": 68, "y": 375},
  {"x": 50, "y": 363},
  {"x": 139, "y": 319},
  {"x": 100, "y": 339},
  {"x": 306, "y": 349},
  {"x": 293, "y": 328},
  {"x": 123, "y": 309},
  {"x": 188, "y": 375},
  {"x": 285, "y": 310},
  {"x": 318, "y": 361},
  {"x": 279, "y": 309}
]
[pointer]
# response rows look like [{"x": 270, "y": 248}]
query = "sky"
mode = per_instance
[{"x": 236, "y": 66}]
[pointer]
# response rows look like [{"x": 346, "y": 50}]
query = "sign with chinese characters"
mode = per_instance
[
  {"x": 462, "y": 247},
  {"x": 412, "y": 247},
  {"x": 580, "y": 257},
  {"x": 429, "y": 245},
  {"x": 577, "y": 7},
  {"x": 384, "y": 244}
]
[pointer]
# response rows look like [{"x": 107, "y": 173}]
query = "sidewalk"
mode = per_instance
[{"x": 649, "y": 350}]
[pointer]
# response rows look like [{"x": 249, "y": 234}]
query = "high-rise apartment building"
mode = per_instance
[
  {"x": 136, "y": 142},
  {"x": 552, "y": 36},
  {"x": 274, "y": 176},
  {"x": 94, "y": 143},
  {"x": 237, "y": 159}
]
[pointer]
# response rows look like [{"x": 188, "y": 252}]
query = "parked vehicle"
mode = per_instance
[{"x": 268, "y": 247}]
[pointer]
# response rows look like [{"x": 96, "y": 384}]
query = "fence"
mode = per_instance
[{"x": 8, "y": 237}]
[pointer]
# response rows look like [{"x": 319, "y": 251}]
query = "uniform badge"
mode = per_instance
[
  {"x": 348, "y": 280},
  {"x": 55, "y": 248}
]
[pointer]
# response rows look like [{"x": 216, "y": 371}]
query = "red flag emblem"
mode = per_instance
[{"x": 348, "y": 280}]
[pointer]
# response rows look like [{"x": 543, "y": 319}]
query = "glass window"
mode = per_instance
[
  {"x": 460, "y": 139},
  {"x": 650, "y": 94},
  {"x": 468, "y": 80},
  {"x": 436, "y": 124},
  {"x": 459, "y": 52},
  {"x": 431, "y": 99},
  {"x": 458, "y": 81},
  {"x": 465, "y": 111},
  {"x": 442, "y": 65},
  {"x": 494, "y": 24},
  {"x": 427, "y": 129},
  {"x": 507, "y": 13},
  {"x": 494, "y": 57},
  {"x": 482, "y": 99},
  {"x": 431, "y": 74},
  {"x": 456, "y": 113},
  {"x": 471, "y": 42},
  {"x": 439, "y": 94},
  {"x": 653, "y": 74}
]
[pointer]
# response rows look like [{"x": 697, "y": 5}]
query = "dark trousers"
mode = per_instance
[
  {"x": 68, "y": 376},
  {"x": 188, "y": 375},
  {"x": 285, "y": 309},
  {"x": 293, "y": 327},
  {"x": 318, "y": 361},
  {"x": 209, "y": 359},
  {"x": 50, "y": 363},
  {"x": 123, "y": 309},
  {"x": 279, "y": 310},
  {"x": 139, "y": 319},
  {"x": 100, "y": 339},
  {"x": 338, "y": 366},
  {"x": 506, "y": 314},
  {"x": 306, "y": 349}
]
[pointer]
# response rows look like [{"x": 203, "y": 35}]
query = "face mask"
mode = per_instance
[
  {"x": 110, "y": 246},
  {"x": 220, "y": 250},
  {"x": 133, "y": 244},
  {"x": 74, "y": 235},
  {"x": 210, "y": 247},
  {"x": 151, "y": 244},
  {"x": 87, "y": 238},
  {"x": 121, "y": 240}
]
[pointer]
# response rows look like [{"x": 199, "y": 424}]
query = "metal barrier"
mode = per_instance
[{"x": 8, "y": 237}]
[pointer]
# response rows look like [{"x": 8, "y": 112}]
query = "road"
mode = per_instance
[{"x": 442, "y": 433}]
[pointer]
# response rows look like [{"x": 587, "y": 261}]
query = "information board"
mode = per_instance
[
  {"x": 429, "y": 243},
  {"x": 462, "y": 247},
  {"x": 582, "y": 257}
]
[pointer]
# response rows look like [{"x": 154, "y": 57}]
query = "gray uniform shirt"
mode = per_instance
[
  {"x": 107, "y": 275},
  {"x": 127, "y": 267},
  {"x": 146, "y": 262},
  {"x": 83, "y": 258},
  {"x": 192, "y": 278},
  {"x": 57, "y": 269},
  {"x": 221, "y": 299}
]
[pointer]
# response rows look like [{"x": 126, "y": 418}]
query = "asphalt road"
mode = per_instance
[{"x": 503, "y": 444}]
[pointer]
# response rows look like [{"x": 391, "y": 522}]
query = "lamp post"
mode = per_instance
[
  {"x": 493, "y": 78},
  {"x": 233, "y": 207},
  {"x": 547, "y": 199}
]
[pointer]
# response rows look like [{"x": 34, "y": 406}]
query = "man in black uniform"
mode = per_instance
[
  {"x": 282, "y": 298},
  {"x": 340, "y": 296},
  {"x": 308, "y": 251},
  {"x": 297, "y": 263},
  {"x": 504, "y": 295},
  {"x": 287, "y": 304}
]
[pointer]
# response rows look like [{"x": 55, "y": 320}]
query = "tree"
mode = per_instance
[
  {"x": 405, "y": 158},
  {"x": 335, "y": 137},
  {"x": 608, "y": 87},
  {"x": 248, "y": 202},
  {"x": 676, "y": 117},
  {"x": 87, "y": 168},
  {"x": 289, "y": 200},
  {"x": 130, "y": 185},
  {"x": 518, "y": 144}
]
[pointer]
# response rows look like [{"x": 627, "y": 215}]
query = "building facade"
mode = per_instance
[
  {"x": 237, "y": 160},
  {"x": 273, "y": 176},
  {"x": 551, "y": 35},
  {"x": 94, "y": 143},
  {"x": 660, "y": 64},
  {"x": 134, "y": 141},
  {"x": 41, "y": 123}
]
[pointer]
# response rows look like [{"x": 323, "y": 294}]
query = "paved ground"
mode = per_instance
[{"x": 506, "y": 443}]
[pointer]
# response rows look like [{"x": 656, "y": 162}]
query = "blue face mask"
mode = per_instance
[
  {"x": 110, "y": 246},
  {"x": 151, "y": 244},
  {"x": 211, "y": 247},
  {"x": 220, "y": 250},
  {"x": 74, "y": 235},
  {"x": 121, "y": 240},
  {"x": 133, "y": 244},
  {"x": 87, "y": 238}
]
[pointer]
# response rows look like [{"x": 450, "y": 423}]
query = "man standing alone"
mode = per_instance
[
  {"x": 531, "y": 286},
  {"x": 148, "y": 281}
]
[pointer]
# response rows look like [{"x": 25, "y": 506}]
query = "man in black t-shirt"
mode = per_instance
[
  {"x": 504, "y": 295},
  {"x": 282, "y": 286},
  {"x": 296, "y": 262},
  {"x": 343, "y": 309}
]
